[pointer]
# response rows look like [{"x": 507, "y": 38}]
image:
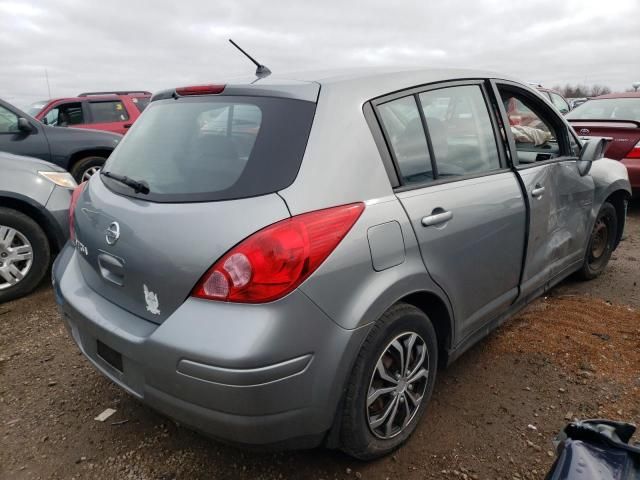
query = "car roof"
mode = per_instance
[
  {"x": 105, "y": 96},
  {"x": 541, "y": 88},
  {"x": 367, "y": 83},
  {"x": 361, "y": 84},
  {"x": 618, "y": 95}
]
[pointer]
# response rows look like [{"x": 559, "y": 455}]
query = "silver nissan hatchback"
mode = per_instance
[{"x": 287, "y": 262}]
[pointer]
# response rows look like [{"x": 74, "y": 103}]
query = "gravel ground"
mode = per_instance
[{"x": 493, "y": 415}]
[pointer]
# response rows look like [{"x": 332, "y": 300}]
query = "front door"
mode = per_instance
[
  {"x": 13, "y": 140},
  {"x": 465, "y": 205},
  {"x": 560, "y": 199}
]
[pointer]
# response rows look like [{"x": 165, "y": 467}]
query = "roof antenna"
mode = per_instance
[{"x": 261, "y": 70}]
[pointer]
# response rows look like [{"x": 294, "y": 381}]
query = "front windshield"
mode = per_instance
[{"x": 35, "y": 108}]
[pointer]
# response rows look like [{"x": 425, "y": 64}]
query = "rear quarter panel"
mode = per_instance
[
  {"x": 132, "y": 110},
  {"x": 341, "y": 163},
  {"x": 348, "y": 288}
]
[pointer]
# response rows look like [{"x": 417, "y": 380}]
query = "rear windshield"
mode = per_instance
[
  {"x": 608, "y": 109},
  {"x": 213, "y": 148}
]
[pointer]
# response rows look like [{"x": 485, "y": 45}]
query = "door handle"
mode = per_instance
[
  {"x": 437, "y": 218},
  {"x": 538, "y": 191}
]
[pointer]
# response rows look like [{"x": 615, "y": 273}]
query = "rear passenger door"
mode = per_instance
[
  {"x": 544, "y": 154},
  {"x": 465, "y": 205},
  {"x": 109, "y": 115}
]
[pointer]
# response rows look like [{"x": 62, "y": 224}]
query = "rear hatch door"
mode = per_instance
[
  {"x": 213, "y": 165},
  {"x": 162, "y": 249}
]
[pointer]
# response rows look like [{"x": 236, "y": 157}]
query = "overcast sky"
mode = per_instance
[{"x": 114, "y": 44}]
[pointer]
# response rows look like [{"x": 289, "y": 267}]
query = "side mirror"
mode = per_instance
[
  {"x": 45, "y": 121},
  {"x": 593, "y": 149},
  {"x": 24, "y": 125}
]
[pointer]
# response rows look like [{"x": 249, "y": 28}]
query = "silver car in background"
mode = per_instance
[
  {"x": 288, "y": 262},
  {"x": 34, "y": 222}
]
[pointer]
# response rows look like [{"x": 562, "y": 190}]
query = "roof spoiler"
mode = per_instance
[{"x": 125, "y": 92}]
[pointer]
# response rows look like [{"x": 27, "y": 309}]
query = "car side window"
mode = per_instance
[
  {"x": 68, "y": 114},
  {"x": 560, "y": 103},
  {"x": 532, "y": 128},
  {"x": 108, "y": 112},
  {"x": 405, "y": 134},
  {"x": 51, "y": 118},
  {"x": 460, "y": 131},
  {"x": 8, "y": 121},
  {"x": 141, "y": 102}
]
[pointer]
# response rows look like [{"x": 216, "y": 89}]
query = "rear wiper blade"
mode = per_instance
[{"x": 138, "y": 186}]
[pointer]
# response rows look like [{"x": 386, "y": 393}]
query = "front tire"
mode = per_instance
[
  {"x": 24, "y": 254},
  {"x": 601, "y": 243},
  {"x": 391, "y": 383},
  {"x": 86, "y": 167}
]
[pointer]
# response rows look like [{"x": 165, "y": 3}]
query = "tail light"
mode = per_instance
[
  {"x": 635, "y": 152},
  {"x": 275, "y": 260},
  {"x": 72, "y": 209},
  {"x": 200, "y": 90}
]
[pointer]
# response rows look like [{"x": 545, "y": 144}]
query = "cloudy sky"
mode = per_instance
[{"x": 115, "y": 44}]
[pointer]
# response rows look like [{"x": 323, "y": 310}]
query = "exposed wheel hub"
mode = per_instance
[
  {"x": 599, "y": 239},
  {"x": 402, "y": 385}
]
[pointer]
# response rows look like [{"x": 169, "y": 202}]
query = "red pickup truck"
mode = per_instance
[{"x": 109, "y": 111}]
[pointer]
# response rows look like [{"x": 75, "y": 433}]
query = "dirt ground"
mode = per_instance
[{"x": 494, "y": 413}]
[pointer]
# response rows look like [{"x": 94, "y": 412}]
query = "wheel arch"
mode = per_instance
[
  {"x": 441, "y": 318},
  {"x": 79, "y": 155},
  {"x": 619, "y": 199},
  {"x": 36, "y": 212}
]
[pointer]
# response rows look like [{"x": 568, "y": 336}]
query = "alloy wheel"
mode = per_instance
[
  {"x": 398, "y": 385},
  {"x": 89, "y": 172},
  {"x": 16, "y": 256}
]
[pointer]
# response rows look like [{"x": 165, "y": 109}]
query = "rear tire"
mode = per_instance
[
  {"x": 21, "y": 271},
  {"x": 601, "y": 243},
  {"x": 84, "y": 168},
  {"x": 371, "y": 424}
]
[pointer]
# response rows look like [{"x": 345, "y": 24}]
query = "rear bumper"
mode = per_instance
[
  {"x": 258, "y": 374},
  {"x": 633, "y": 168}
]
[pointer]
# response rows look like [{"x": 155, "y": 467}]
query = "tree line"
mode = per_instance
[{"x": 578, "y": 91}]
